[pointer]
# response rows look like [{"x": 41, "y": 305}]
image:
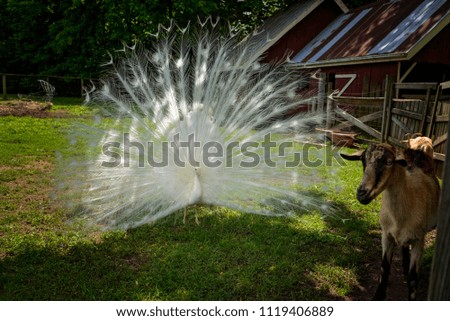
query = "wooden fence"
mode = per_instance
[
  {"x": 439, "y": 287},
  {"x": 26, "y": 84},
  {"x": 405, "y": 108}
]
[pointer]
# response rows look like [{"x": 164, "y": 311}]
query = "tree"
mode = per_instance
[{"x": 73, "y": 37}]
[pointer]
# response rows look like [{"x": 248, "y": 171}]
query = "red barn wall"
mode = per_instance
[
  {"x": 301, "y": 34},
  {"x": 437, "y": 50},
  {"x": 369, "y": 79}
]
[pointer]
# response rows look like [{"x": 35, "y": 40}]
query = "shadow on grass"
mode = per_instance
[
  {"x": 229, "y": 256},
  {"x": 366, "y": 240}
]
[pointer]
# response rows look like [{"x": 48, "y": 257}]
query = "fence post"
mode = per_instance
[
  {"x": 439, "y": 288},
  {"x": 321, "y": 92},
  {"x": 4, "y": 86},
  {"x": 330, "y": 107},
  {"x": 386, "y": 103}
]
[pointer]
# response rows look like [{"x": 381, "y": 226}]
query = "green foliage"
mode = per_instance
[{"x": 73, "y": 37}]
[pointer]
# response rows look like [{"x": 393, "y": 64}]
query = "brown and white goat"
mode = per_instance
[
  {"x": 408, "y": 206},
  {"x": 423, "y": 143}
]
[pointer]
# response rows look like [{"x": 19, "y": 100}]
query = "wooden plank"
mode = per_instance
[
  {"x": 364, "y": 119},
  {"x": 445, "y": 85},
  {"x": 358, "y": 123},
  {"x": 406, "y": 113},
  {"x": 386, "y": 133},
  {"x": 431, "y": 118},
  {"x": 438, "y": 119},
  {"x": 402, "y": 100},
  {"x": 330, "y": 114},
  {"x": 5, "y": 94},
  {"x": 439, "y": 287},
  {"x": 440, "y": 140},
  {"x": 387, "y": 101},
  {"x": 321, "y": 92},
  {"x": 360, "y": 101},
  {"x": 439, "y": 156},
  {"x": 401, "y": 125},
  {"x": 425, "y": 109},
  {"x": 407, "y": 72},
  {"x": 416, "y": 85}
]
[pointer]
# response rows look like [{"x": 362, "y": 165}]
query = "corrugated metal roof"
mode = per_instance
[
  {"x": 276, "y": 26},
  {"x": 378, "y": 31},
  {"x": 408, "y": 26},
  {"x": 321, "y": 37},
  {"x": 329, "y": 44}
]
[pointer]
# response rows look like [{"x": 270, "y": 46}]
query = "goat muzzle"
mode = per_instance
[{"x": 363, "y": 195}]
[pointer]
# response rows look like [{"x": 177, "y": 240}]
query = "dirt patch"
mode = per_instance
[
  {"x": 30, "y": 108},
  {"x": 397, "y": 287}
]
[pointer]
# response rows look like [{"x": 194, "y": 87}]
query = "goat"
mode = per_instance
[
  {"x": 408, "y": 206},
  {"x": 423, "y": 143}
]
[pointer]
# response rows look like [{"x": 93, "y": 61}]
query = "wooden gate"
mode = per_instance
[{"x": 417, "y": 108}]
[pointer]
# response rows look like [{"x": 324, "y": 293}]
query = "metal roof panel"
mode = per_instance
[
  {"x": 340, "y": 35},
  {"x": 408, "y": 26},
  {"x": 321, "y": 37},
  {"x": 276, "y": 26},
  {"x": 372, "y": 32}
]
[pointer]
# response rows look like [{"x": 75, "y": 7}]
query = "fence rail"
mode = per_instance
[
  {"x": 24, "y": 84},
  {"x": 405, "y": 108}
]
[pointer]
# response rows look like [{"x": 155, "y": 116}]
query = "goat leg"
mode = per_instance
[
  {"x": 388, "y": 244},
  {"x": 406, "y": 259},
  {"x": 413, "y": 273}
]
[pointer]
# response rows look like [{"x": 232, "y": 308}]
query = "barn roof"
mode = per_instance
[
  {"x": 278, "y": 25},
  {"x": 382, "y": 31}
]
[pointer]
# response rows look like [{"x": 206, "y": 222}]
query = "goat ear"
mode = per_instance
[{"x": 353, "y": 157}]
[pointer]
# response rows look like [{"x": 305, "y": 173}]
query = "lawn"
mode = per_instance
[{"x": 228, "y": 256}]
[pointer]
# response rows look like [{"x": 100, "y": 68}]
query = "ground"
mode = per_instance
[
  {"x": 229, "y": 256},
  {"x": 29, "y": 108},
  {"x": 397, "y": 289}
]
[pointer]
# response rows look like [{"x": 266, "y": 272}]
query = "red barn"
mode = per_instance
[{"x": 408, "y": 40}]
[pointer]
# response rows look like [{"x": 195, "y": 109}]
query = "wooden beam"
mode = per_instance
[
  {"x": 438, "y": 119},
  {"x": 407, "y": 72},
  {"x": 439, "y": 156},
  {"x": 387, "y": 101},
  {"x": 360, "y": 101},
  {"x": 440, "y": 140},
  {"x": 387, "y": 115},
  {"x": 425, "y": 111},
  {"x": 5, "y": 94},
  {"x": 364, "y": 119},
  {"x": 355, "y": 121},
  {"x": 416, "y": 85},
  {"x": 406, "y": 113},
  {"x": 330, "y": 105},
  {"x": 439, "y": 287},
  {"x": 402, "y": 125},
  {"x": 431, "y": 118}
]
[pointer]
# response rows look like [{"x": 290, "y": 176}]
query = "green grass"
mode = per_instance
[{"x": 229, "y": 256}]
